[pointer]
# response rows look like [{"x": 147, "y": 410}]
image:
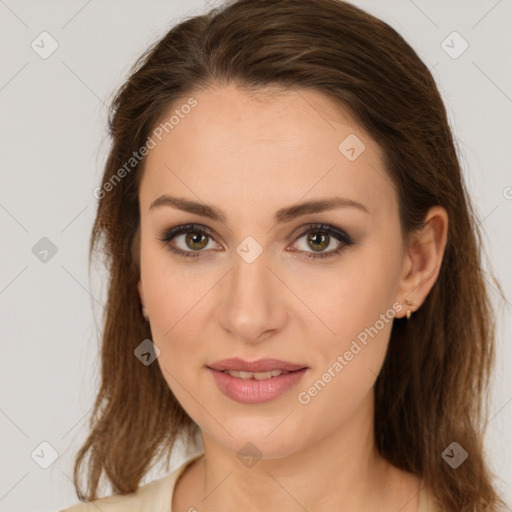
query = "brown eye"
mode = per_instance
[
  {"x": 318, "y": 242},
  {"x": 196, "y": 239},
  {"x": 320, "y": 237}
]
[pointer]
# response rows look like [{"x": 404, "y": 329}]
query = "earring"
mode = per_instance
[{"x": 408, "y": 313}]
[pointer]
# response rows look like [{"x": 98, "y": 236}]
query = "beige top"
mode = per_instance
[{"x": 156, "y": 496}]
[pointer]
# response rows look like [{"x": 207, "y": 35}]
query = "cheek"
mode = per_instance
[
  {"x": 350, "y": 363},
  {"x": 177, "y": 325},
  {"x": 169, "y": 296},
  {"x": 357, "y": 317},
  {"x": 172, "y": 290},
  {"x": 339, "y": 389},
  {"x": 347, "y": 298}
]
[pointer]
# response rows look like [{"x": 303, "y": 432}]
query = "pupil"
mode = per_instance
[
  {"x": 316, "y": 245},
  {"x": 192, "y": 238}
]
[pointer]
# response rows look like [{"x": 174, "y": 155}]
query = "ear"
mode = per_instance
[{"x": 422, "y": 260}]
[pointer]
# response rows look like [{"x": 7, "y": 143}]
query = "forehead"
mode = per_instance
[{"x": 236, "y": 147}]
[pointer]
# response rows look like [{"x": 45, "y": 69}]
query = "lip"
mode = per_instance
[
  {"x": 252, "y": 391},
  {"x": 261, "y": 365}
]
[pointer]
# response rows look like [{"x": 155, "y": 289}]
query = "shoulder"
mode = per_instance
[{"x": 155, "y": 496}]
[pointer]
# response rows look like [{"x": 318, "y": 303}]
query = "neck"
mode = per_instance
[{"x": 341, "y": 471}]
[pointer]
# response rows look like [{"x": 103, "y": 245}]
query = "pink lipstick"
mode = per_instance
[{"x": 257, "y": 381}]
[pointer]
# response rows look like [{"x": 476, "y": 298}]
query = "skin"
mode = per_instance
[{"x": 250, "y": 157}]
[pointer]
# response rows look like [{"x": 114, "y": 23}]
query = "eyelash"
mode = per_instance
[{"x": 341, "y": 236}]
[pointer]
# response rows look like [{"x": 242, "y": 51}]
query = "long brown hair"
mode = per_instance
[{"x": 431, "y": 388}]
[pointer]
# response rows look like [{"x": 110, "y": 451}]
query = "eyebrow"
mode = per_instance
[{"x": 283, "y": 215}]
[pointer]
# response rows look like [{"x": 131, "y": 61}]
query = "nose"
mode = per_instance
[{"x": 252, "y": 301}]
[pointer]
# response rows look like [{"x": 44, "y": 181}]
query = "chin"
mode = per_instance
[{"x": 264, "y": 437}]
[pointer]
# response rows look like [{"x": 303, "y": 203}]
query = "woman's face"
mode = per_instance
[{"x": 255, "y": 286}]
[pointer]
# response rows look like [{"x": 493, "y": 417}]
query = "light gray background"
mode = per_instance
[{"x": 53, "y": 146}]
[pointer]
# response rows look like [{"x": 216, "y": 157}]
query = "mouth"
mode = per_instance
[
  {"x": 261, "y": 366},
  {"x": 258, "y": 381},
  {"x": 256, "y": 375}
]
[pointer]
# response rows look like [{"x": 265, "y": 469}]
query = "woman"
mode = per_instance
[{"x": 295, "y": 276}]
